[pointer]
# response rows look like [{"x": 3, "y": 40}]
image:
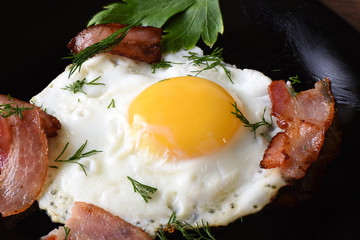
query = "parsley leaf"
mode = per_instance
[
  {"x": 114, "y": 13},
  {"x": 183, "y": 21},
  {"x": 150, "y": 12},
  {"x": 203, "y": 18}
]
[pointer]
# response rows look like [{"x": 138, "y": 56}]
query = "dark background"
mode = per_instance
[{"x": 297, "y": 37}]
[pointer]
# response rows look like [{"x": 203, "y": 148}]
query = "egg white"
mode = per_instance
[{"x": 217, "y": 188}]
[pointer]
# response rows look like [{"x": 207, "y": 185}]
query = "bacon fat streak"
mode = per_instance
[
  {"x": 23, "y": 155},
  {"x": 305, "y": 118},
  {"x": 89, "y": 222}
]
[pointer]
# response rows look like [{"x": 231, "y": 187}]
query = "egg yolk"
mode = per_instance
[{"x": 184, "y": 117}]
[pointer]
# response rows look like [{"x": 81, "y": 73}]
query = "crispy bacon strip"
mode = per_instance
[
  {"x": 23, "y": 155},
  {"x": 305, "y": 118},
  {"x": 140, "y": 43},
  {"x": 89, "y": 222}
]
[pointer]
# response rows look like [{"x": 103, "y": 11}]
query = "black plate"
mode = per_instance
[{"x": 298, "y": 37}]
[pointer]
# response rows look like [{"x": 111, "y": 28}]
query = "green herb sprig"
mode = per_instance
[
  {"x": 67, "y": 232},
  {"x": 8, "y": 109},
  {"x": 77, "y": 86},
  {"x": 161, "y": 64},
  {"x": 293, "y": 80},
  {"x": 210, "y": 61},
  {"x": 111, "y": 104},
  {"x": 195, "y": 233},
  {"x": 238, "y": 114},
  {"x": 76, "y": 156},
  {"x": 104, "y": 45},
  {"x": 292, "y": 92},
  {"x": 142, "y": 189}
]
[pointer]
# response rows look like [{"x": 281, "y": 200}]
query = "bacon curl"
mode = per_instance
[
  {"x": 305, "y": 118},
  {"x": 140, "y": 43},
  {"x": 89, "y": 222},
  {"x": 23, "y": 155}
]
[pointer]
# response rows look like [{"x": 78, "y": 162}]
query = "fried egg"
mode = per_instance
[{"x": 172, "y": 128}]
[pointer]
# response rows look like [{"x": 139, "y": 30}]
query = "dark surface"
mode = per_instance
[{"x": 297, "y": 37}]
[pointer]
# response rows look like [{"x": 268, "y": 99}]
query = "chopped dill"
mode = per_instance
[
  {"x": 76, "y": 156},
  {"x": 142, "y": 189},
  {"x": 77, "y": 86},
  {"x": 266, "y": 136},
  {"x": 161, "y": 64},
  {"x": 112, "y": 104},
  {"x": 292, "y": 92},
  {"x": 67, "y": 232},
  {"x": 211, "y": 61},
  {"x": 294, "y": 79},
  {"x": 238, "y": 114},
  {"x": 196, "y": 233},
  {"x": 8, "y": 109}
]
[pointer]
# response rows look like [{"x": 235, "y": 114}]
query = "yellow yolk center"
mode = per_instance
[{"x": 184, "y": 117}]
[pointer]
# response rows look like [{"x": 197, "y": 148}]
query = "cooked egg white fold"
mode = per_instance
[{"x": 217, "y": 188}]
